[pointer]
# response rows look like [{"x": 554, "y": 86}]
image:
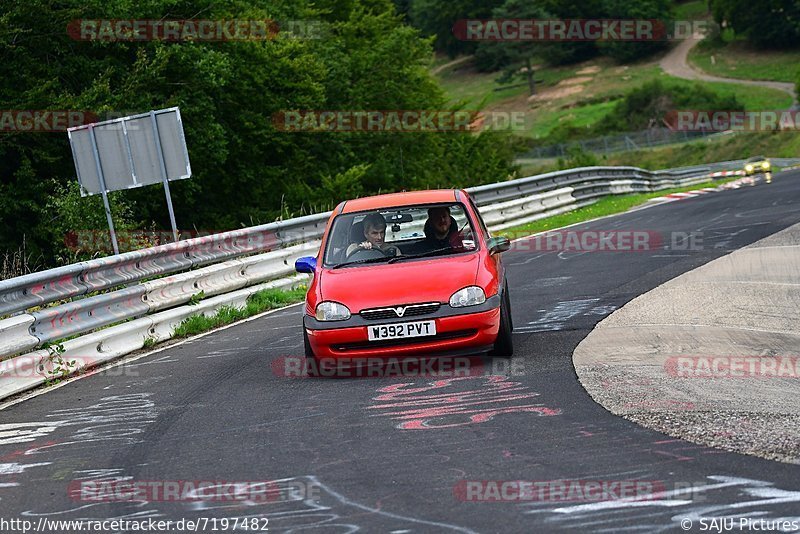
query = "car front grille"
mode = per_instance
[
  {"x": 411, "y": 310},
  {"x": 408, "y": 342}
]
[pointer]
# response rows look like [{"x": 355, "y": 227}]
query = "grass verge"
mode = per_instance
[
  {"x": 733, "y": 58},
  {"x": 259, "y": 302},
  {"x": 733, "y": 147},
  {"x": 604, "y": 206}
]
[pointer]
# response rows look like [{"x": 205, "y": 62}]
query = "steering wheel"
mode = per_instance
[
  {"x": 365, "y": 254},
  {"x": 368, "y": 254}
]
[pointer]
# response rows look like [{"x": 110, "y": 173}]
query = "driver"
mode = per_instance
[{"x": 375, "y": 233}]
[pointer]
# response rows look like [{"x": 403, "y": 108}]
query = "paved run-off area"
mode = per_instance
[{"x": 712, "y": 356}]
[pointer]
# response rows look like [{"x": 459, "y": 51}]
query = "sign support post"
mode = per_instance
[
  {"x": 164, "y": 176},
  {"x": 103, "y": 190},
  {"x": 129, "y": 152}
]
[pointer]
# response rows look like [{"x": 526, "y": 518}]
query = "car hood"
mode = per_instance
[{"x": 404, "y": 282}]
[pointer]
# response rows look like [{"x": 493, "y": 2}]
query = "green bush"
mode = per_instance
[
  {"x": 577, "y": 157},
  {"x": 647, "y": 106}
]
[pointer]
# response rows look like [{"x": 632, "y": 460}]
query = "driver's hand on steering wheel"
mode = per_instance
[{"x": 366, "y": 245}]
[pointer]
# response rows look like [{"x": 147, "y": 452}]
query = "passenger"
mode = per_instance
[
  {"x": 375, "y": 233},
  {"x": 441, "y": 230}
]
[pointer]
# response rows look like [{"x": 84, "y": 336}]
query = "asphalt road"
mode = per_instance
[{"x": 385, "y": 455}]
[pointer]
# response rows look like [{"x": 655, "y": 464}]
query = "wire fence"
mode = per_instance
[{"x": 619, "y": 143}]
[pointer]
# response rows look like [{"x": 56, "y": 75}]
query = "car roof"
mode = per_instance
[
  {"x": 406, "y": 198},
  {"x": 756, "y": 158}
]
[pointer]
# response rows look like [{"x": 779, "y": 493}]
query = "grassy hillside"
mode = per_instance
[{"x": 579, "y": 95}]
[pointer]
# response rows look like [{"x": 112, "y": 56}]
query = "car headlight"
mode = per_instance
[
  {"x": 332, "y": 311},
  {"x": 469, "y": 296},
  {"x": 765, "y": 164},
  {"x": 748, "y": 167}
]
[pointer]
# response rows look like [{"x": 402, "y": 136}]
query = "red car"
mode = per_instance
[{"x": 407, "y": 274}]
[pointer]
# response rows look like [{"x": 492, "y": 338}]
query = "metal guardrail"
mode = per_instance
[
  {"x": 230, "y": 266},
  {"x": 37, "y": 289}
]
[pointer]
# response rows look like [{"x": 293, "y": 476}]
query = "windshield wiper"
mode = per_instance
[
  {"x": 421, "y": 255},
  {"x": 356, "y": 262}
]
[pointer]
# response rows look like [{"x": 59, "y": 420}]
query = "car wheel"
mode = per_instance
[
  {"x": 312, "y": 364},
  {"x": 504, "y": 345}
]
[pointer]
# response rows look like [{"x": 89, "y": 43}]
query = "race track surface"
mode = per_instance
[{"x": 380, "y": 456}]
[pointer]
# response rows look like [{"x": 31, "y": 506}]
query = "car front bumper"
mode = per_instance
[
  {"x": 458, "y": 331},
  {"x": 756, "y": 170}
]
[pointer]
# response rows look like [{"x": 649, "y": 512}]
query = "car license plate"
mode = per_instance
[{"x": 401, "y": 330}]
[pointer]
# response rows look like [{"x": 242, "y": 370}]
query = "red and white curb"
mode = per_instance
[
  {"x": 726, "y": 173},
  {"x": 684, "y": 195},
  {"x": 736, "y": 184}
]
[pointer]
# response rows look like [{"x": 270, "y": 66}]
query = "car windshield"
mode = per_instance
[
  {"x": 398, "y": 234},
  {"x": 755, "y": 158}
]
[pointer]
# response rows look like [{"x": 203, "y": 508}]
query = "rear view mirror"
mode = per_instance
[
  {"x": 498, "y": 244},
  {"x": 397, "y": 218}
]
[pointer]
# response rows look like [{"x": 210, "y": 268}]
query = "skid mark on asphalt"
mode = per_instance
[
  {"x": 162, "y": 359},
  {"x": 118, "y": 418},
  {"x": 304, "y": 502},
  {"x": 527, "y": 261},
  {"x": 288, "y": 504},
  {"x": 557, "y": 318},
  {"x": 223, "y": 352},
  {"x": 741, "y": 497},
  {"x": 542, "y": 282},
  {"x": 445, "y": 404},
  {"x": 24, "y": 432}
]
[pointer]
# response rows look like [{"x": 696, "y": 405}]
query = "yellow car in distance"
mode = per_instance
[{"x": 757, "y": 164}]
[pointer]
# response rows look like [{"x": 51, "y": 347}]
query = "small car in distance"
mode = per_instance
[
  {"x": 757, "y": 164},
  {"x": 404, "y": 275}
]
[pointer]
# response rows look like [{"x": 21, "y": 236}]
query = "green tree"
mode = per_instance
[
  {"x": 246, "y": 171},
  {"x": 628, "y": 51},
  {"x": 767, "y": 23},
  {"x": 437, "y": 18},
  {"x": 512, "y": 54}
]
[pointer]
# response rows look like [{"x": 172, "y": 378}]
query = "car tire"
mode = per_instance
[
  {"x": 504, "y": 344},
  {"x": 312, "y": 364}
]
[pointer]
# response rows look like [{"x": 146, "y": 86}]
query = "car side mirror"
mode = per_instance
[
  {"x": 306, "y": 264},
  {"x": 498, "y": 244}
]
